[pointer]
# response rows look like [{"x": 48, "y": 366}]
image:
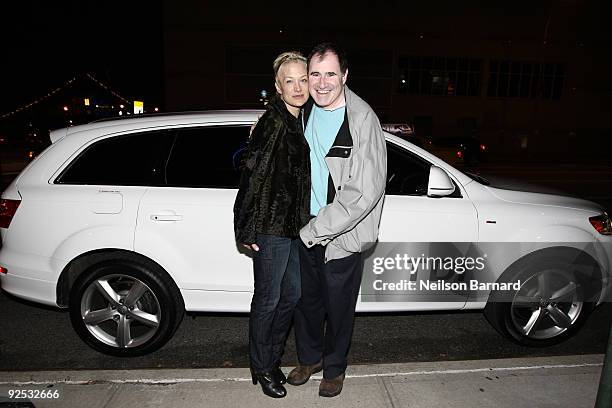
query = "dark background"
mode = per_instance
[
  {"x": 531, "y": 79},
  {"x": 44, "y": 44},
  {"x": 196, "y": 54}
]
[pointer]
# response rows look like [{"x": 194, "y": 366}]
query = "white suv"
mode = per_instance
[{"x": 128, "y": 223}]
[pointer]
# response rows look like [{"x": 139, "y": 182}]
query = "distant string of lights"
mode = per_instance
[
  {"x": 58, "y": 89},
  {"x": 90, "y": 76},
  {"x": 38, "y": 100}
]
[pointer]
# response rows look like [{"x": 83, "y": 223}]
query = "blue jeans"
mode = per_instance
[{"x": 276, "y": 268}]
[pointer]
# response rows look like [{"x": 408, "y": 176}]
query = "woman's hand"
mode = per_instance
[{"x": 252, "y": 247}]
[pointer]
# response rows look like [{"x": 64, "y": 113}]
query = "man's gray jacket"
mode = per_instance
[{"x": 350, "y": 222}]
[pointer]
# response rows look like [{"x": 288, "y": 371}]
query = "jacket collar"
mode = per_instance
[
  {"x": 356, "y": 108},
  {"x": 278, "y": 105}
]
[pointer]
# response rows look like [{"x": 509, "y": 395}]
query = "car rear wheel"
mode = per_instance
[
  {"x": 125, "y": 308},
  {"x": 553, "y": 301}
]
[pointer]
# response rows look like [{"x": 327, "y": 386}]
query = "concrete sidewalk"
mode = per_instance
[{"x": 566, "y": 381}]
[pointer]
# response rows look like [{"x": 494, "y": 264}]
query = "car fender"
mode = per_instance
[
  {"x": 579, "y": 257},
  {"x": 501, "y": 255},
  {"x": 552, "y": 233},
  {"x": 94, "y": 239}
]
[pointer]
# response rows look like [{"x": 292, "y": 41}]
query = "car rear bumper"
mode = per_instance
[
  {"x": 35, "y": 290},
  {"x": 29, "y": 276}
]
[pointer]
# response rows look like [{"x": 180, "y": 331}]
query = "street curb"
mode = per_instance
[{"x": 172, "y": 376}]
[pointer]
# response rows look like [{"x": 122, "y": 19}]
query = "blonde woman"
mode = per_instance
[{"x": 273, "y": 203}]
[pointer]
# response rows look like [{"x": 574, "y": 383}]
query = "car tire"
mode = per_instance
[
  {"x": 557, "y": 293},
  {"x": 125, "y": 307}
]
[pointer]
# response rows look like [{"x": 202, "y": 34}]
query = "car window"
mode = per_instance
[
  {"x": 407, "y": 174},
  {"x": 127, "y": 160},
  {"x": 207, "y": 157}
]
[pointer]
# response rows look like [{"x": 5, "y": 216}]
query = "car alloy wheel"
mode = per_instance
[
  {"x": 559, "y": 288},
  {"x": 546, "y": 305},
  {"x": 125, "y": 308},
  {"x": 120, "y": 311}
]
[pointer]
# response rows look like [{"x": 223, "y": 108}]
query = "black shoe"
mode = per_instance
[
  {"x": 278, "y": 375},
  {"x": 269, "y": 386}
]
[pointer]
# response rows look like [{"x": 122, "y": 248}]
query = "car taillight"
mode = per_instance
[
  {"x": 602, "y": 224},
  {"x": 8, "y": 208},
  {"x": 3, "y": 270}
]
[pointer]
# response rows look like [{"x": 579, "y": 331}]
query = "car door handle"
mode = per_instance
[{"x": 166, "y": 217}]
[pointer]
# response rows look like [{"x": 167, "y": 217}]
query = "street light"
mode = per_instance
[{"x": 263, "y": 96}]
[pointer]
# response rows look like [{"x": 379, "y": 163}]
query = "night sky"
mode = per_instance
[{"x": 45, "y": 43}]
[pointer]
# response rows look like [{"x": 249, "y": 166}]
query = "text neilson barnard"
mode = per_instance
[{"x": 426, "y": 285}]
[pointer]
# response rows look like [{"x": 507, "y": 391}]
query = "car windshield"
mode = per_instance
[{"x": 477, "y": 178}]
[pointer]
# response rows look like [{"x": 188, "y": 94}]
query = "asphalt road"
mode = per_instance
[{"x": 39, "y": 338}]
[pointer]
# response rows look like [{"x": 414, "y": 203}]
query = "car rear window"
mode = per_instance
[{"x": 135, "y": 159}]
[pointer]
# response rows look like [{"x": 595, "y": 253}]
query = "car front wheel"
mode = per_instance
[
  {"x": 125, "y": 308},
  {"x": 553, "y": 301}
]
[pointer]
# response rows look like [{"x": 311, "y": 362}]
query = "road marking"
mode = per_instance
[{"x": 166, "y": 381}]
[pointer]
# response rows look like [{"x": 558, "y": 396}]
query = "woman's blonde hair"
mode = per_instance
[{"x": 289, "y": 56}]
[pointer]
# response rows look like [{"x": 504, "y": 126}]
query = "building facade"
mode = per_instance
[{"x": 529, "y": 81}]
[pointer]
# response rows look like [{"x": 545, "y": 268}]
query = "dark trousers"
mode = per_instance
[
  {"x": 276, "y": 268},
  {"x": 329, "y": 295}
]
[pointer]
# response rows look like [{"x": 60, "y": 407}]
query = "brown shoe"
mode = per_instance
[
  {"x": 300, "y": 374},
  {"x": 331, "y": 387}
]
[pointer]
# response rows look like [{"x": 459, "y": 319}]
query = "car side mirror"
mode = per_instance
[{"x": 440, "y": 184}]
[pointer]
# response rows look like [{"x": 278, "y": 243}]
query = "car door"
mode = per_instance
[
  {"x": 97, "y": 195},
  {"x": 410, "y": 216},
  {"x": 187, "y": 224}
]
